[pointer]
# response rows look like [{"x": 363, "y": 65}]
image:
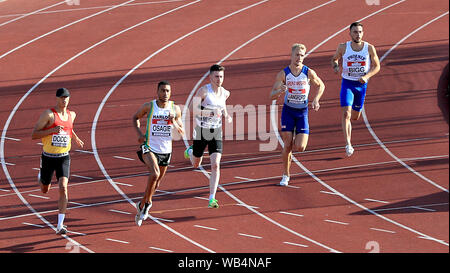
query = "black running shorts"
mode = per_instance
[
  {"x": 211, "y": 138},
  {"x": 163, "y": 159},
  {"x": 49, "y": 165}
]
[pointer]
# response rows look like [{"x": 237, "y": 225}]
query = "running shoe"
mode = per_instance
[
  {"x": 145, "y": 210},
  {"x": 138, "y": 218},
  {"x": 213, "y": 203},
  {"x": 349, "y": 150},
  {"x": 186, "y": 152},
  {"x": 62, "y": 230},
  {"x": 284, "y": 181}
]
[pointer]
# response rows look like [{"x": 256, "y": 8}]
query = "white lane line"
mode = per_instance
[
  {"x": 160, "y": 249},
  {"x": 21, "y": 16},
  {"x": 164, "y": 220},
  {"x": 210, "y": 228},
  {"x": 124, "y": 158},
  {"x": 191, "y": 94},
  {"x": 85, "y": 152},
  {"x": 102, "y": 104},
  {"x": 290, "y": 213},
  {"x": 91, "y": 8},
  {"x": 34, "y": 225},
  {"x": 10, "y": 164},
  {"x": 38, "y": 196},
  {"x": 411, "y": 207},
  {"x": 117, "y": 241},
  {"x": 243, "y": 178},
  {"x": 336, "y": 222},
  {"x": 295, "y": 244},
  {"x": 16, "y": 107},
  {"x": 119, "y": 211},
  {"x": 251, "y": 236},
  {"x": 377, "y": 201},
  {"x": 420, "y": 208},
  {"x": 382, "y": 230},
  {"x": 292, "y": 186},
  {"x": 123, "y": 184},
  {"x": 4, "y": 190},
  {"x": 76, "y": 233},
  {"x": 275, "y": 126},
  {"x": 60, "y": 28},
  {"x": 331, "y": 193},
  {"x": 80, "y": 176},
  {"x": 76, "y": 203},
  {"x": 203, "y": 198},
  {"x": 372, "y": 132},
  {"x": 10, "y": 138},
  {"x": 246, "y": 206}
]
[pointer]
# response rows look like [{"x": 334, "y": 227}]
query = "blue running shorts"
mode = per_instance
[
  {"x": 353, "y": 94},
  {"x": 294, "y": 119}
]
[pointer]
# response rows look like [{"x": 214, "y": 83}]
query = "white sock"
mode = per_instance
[
  {"x": 60, "y": 220},
  {"x": 211, "y": 196}
]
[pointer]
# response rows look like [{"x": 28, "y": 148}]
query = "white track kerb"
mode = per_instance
[
  {"x": 275, "y": 126},
  {"x": 16, "y": 107}
]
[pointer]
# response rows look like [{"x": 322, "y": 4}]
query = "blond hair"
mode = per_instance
[{"x": 298, "y": 46}]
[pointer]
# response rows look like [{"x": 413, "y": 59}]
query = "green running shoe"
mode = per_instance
[
  {"x": 213, "y": 203},
  {"x": 186, "y": 152}
]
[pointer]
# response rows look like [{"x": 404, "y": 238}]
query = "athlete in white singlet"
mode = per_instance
[
  {"x": 210, "y": 103},
  {"x": 156, "y": 144},
  {"x": 359, "y": 63}
]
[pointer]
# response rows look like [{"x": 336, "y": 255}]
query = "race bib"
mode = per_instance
[
  {"x": 61, "y": 140},
  {"x": 296, "y": 96}
]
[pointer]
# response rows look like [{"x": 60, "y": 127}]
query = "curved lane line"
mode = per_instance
[
  {"x": 16, "y": 107},
  {"x": 31, "y": 13},
  {"x": 63, "y": 27},
  {"x": 100, "y": 108},
  {"x": 207, "y": 174},
  {"x": 372, "y": 132},
  {"x": 275, "y": 126}
]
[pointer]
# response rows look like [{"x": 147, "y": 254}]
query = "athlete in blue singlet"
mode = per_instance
[{"x": 294, "y": 81}]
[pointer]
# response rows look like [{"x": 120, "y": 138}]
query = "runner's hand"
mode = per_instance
[
  {"x": 363, "y": 79},
  {"x": 315, "y": 105},
  {"x": 79, "y": 142}
]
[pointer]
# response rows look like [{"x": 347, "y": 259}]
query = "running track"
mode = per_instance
[{"x": 390, "y": 196}]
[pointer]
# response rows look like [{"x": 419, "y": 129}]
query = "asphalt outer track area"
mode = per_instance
[{"x": 321, "y": 213}]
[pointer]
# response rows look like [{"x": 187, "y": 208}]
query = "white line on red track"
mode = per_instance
[
  {"x": 377, "y": 201},
  {"x": 160, "y": 249},
  {"x": 336, "y": 222},
  {"x": 124, "y": 158},
  {"x": 16, "y": 107},
  {"x": 210, "y": 228},
  {"x": 34, "y": 225},
  {"x": 21, "y": 16},
  {"x": 383, "y": 230},
  {"x": 290, "y": 213},
  {"x": 295, "y": 244},
  {"x": 275, "y": 126},
  {"x": 119, "y": 211},
  {"x": 60, "y": 28},
  {"x": 251, "y": 236},
  {"x": 117, "y": 241}
]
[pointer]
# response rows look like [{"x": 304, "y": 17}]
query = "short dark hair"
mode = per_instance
[
  {"x": 356, "y": 24},
  {"x": 163, "y": 83},
  {"x": 216, "y": 67}
]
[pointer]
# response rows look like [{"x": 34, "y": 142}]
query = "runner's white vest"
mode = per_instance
[
  {"x": 158, "y": 136},
  {"x": 212, "y": 101},
  {"x": 355, "y": 64}
]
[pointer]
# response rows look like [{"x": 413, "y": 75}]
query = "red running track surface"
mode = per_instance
[{"x": 390, "y": 196}]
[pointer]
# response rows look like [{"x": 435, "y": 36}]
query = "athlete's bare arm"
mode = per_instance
[
  {"x": 375, "y": 65},
  {"x": 45, "y": 120},
  {"x": 340, "y": 51},
  {"x": 279, "y": 86},
  {"x": 177, "y": 121},
  {"x": 141, "y": 112},
  {"x": 78, "y": 141},
  {"x": 318, "y": 83},
  {"x": 225, "y": 111}
]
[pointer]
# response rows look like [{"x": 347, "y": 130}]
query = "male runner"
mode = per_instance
[
  {"x": 359, "y": 63},
  {"x": 210, "y": 103},
  {"x": 156, "y": 144},
  {"x": 294, "y": 81},
  {"x": 55, "y": 128}
]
